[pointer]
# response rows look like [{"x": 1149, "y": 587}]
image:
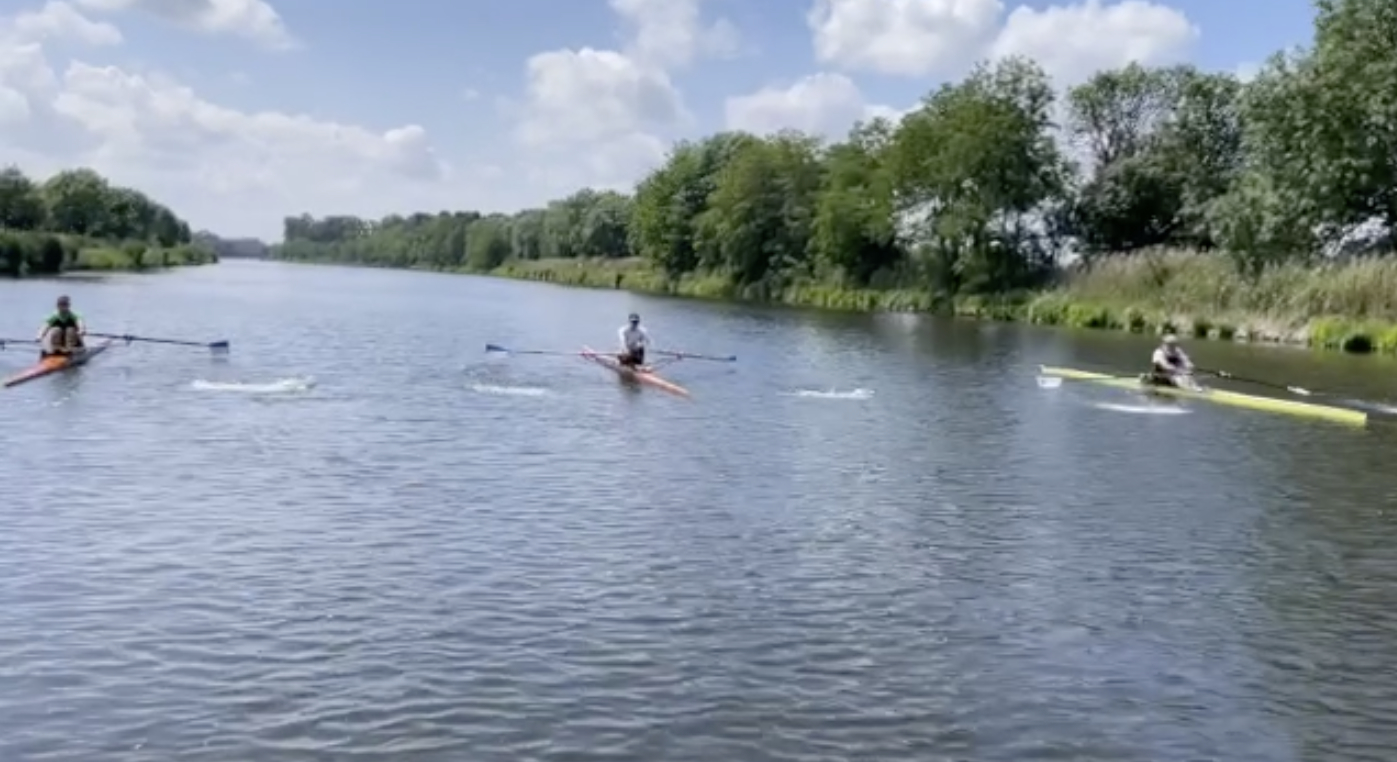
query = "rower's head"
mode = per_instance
[
  {"x": 64, "y": 304},
  {"x": 634, "y": 319}
]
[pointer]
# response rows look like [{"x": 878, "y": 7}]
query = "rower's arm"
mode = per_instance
[
  {"x": 45, "y": 329},
  {"x": 645, "y": 337},
  {"x": 82, "y": 325},
  {"x": 621, "y": 337}
]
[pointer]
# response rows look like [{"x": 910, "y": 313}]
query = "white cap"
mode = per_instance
[{"x": 1170, "y": 338}]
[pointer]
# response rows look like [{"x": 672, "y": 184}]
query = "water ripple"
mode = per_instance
[{"x": 434, "y": 558}]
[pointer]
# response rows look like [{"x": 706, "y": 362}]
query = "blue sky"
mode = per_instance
[{"x": 238, "y": 112}]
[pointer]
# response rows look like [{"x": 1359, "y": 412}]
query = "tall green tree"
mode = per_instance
[
  {"x": 974, "y": 167},
  {"x": 21, "y": 206},
  {"x": 854, "y": 235},
  {"x": 757, "y": 223}
]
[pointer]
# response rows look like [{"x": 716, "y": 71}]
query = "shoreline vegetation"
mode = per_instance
[
  {"x": 1169, "y": 199},
  {"x": 78, "y": 221}
]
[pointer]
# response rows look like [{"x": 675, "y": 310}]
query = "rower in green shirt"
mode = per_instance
[{"x": 63, "y": 331}]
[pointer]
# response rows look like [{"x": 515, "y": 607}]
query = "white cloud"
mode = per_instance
[
  {"x": 946, "y": 37},
  {"x": 823, "y": 104},
  {"x": 582, "y": 96},
  {"x": 211, "y": 163},
  {"x": 602, "y": 117},
  {"x": 252, "y": 19},
  {"x": 672, "y": 32},
  {"x": 903, "y": 37},
  {"x": 1073, "y": 42},
  {"x": 59, "y": 20}
]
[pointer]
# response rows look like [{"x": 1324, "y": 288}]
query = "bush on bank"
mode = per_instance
[
  {"x": 30, "y": 253},
  {"x": 1350, "y": 306}
]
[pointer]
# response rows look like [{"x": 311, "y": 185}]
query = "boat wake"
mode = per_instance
[
  {"x": 282, "y": 386},
  {"x": 509, "y": 391},
  {"x": 1141, "y": 409},
  {"x": 834, "y": 394}
]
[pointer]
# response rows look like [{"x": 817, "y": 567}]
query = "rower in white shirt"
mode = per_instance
[
  {"x": 634, "y": 341},
  {"x": 1171, "y": 365}
]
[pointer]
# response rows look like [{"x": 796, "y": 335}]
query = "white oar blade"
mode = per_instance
[{"x": 1049, "y": 382}]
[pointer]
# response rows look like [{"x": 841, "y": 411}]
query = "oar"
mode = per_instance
[
  {"x": 3, "y": 342},
  {"x": 1224, "y": 374},
  {"x": 505, "y": 350},
  {"x": 689, "y": 356},
  {"x": 215, "y": 346}
]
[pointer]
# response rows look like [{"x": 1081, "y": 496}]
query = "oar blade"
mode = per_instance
[
  {"x": 496, "y": 348},
  {"x": 1049, "y": 382}
]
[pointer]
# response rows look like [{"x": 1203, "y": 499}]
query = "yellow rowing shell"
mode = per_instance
[{"x": 1221, "y": 396}]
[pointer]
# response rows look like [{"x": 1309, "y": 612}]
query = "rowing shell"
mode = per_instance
[
  {"x": 1221, "y": 396},
  {"x": 56, "y": 363},
  {"x": 642, "y": 376}
]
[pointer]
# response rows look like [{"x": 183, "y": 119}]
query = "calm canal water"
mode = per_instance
[{"x": 872, "y": 538}]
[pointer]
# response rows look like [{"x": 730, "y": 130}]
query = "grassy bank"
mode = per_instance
[
  {"x": 1350, "y": 307},
  {"x": 637, "y": 275},
  {"x": 28, "y": 253}
]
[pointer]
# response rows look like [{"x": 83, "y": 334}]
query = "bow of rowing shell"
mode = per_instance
[{"x": 646, "y": 376}]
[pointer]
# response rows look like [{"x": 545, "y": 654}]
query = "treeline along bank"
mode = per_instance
[{"x": 1166, "y": 198}]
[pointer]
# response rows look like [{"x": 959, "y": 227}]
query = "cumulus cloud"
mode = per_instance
[
  {"x": 1073, "y": 42},
  {"x": 62, "y": 21},
  {"x": 822, "y": 104},
  {"x": 903, "y": 37},
  {"x": 610, "y": 113},
  {"x": 209, "y": 161},
  {"x": 672, "y": 32},
  {"x": 917, "y": 38},
  {"x": 585, "y": 96},
  {"x": 252, "y": 19}
]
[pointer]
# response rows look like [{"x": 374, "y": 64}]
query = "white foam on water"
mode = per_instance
[
  {"x": 1141, "y": 409},
  {"x": 281, "y": 386},
  {"x": 509, "y": 391},
  {"x": 834, "y": 394}
]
